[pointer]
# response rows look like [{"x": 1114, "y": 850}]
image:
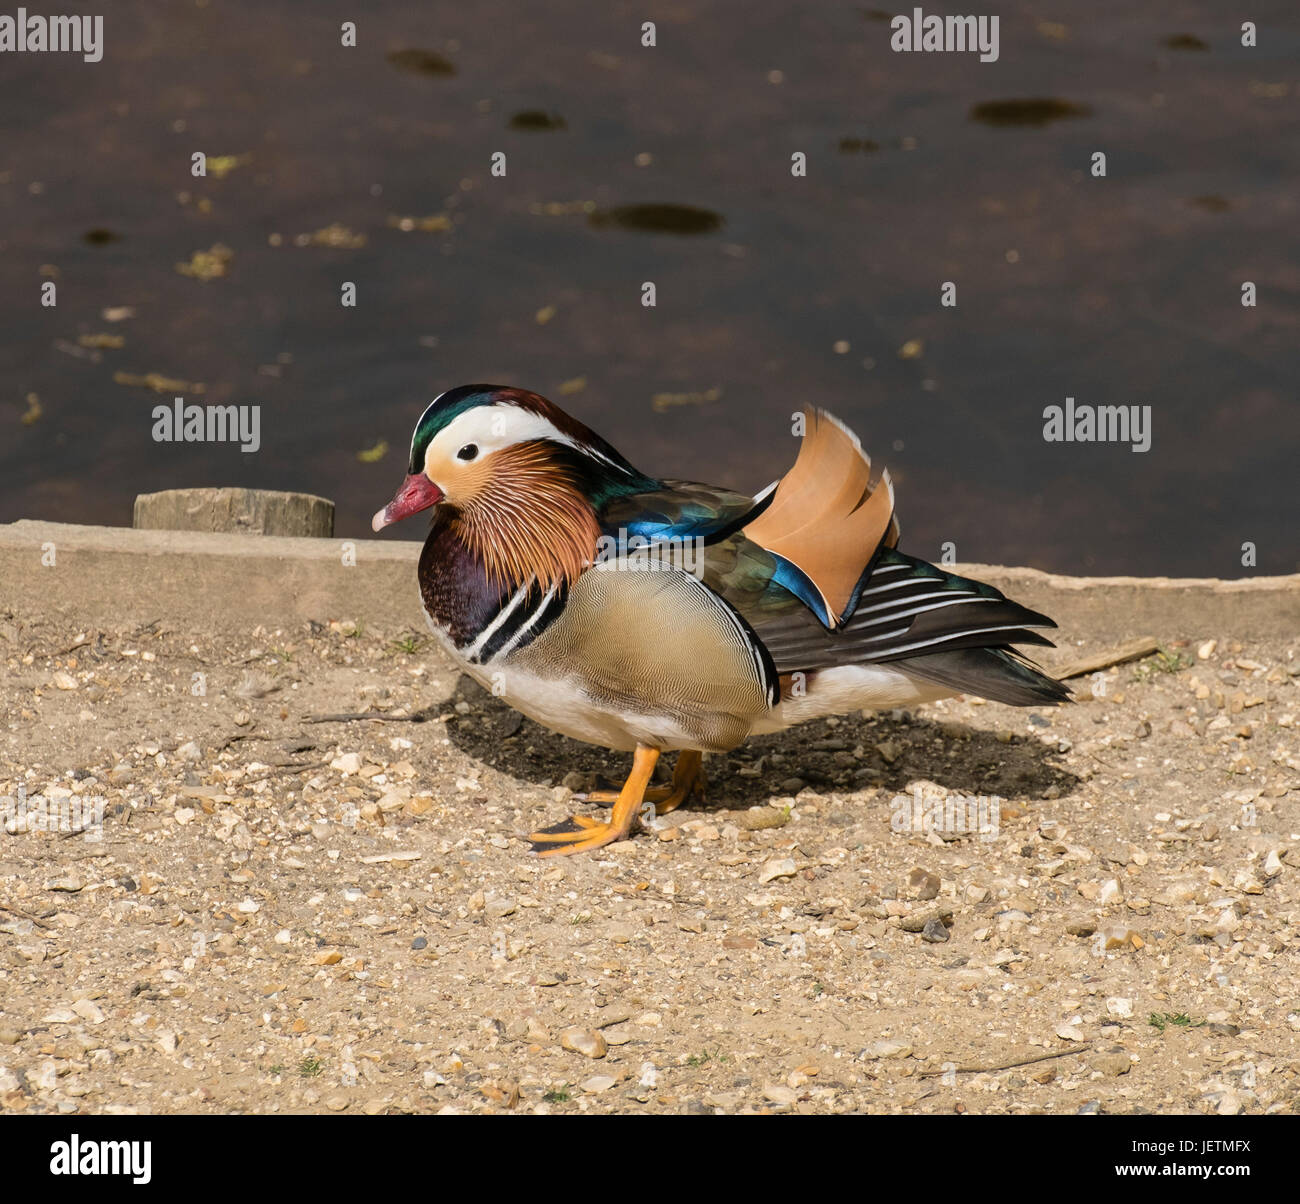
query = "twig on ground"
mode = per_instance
[{"x": 1060, "y": 1053}]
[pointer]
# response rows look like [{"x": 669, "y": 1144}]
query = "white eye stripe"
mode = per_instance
[{"x": 490, "y": 428}]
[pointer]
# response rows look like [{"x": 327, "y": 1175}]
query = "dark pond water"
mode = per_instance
[{"x": 672, "y": 165}]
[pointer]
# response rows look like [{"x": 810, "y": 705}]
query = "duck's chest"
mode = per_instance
[{"x": 478, "y": 621}]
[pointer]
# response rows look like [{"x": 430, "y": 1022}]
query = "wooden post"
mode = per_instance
[{"x": 251, "y": 511}]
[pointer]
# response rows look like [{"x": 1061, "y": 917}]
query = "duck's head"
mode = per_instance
[
  {"x": 474, "y": 439},
  {"x": 523, "y": 478}
]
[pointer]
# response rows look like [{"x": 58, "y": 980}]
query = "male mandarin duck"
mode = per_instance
[{"x": 650, "y": 615}]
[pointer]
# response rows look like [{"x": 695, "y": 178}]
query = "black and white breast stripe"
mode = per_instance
[{"x": 521, "y": 619}]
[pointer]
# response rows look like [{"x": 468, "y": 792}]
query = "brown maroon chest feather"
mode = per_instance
[{"x": 454, "y": 586}]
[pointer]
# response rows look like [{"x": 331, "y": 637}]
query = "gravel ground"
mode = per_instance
[{"x": 281, "y": 914}]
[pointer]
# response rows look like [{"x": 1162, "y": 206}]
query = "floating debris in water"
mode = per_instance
[
  {"x": 1034, "y": 111},
  {"x": 101, "y": 340},
  {"x": 372, "y": 455},
  {"x": 536, "y": 119},
  {"x": 117, "y": 313},
  {"x": 428, "y": 225},
  {"x": 1186, "y": 41},
  {"x": 661, "y": 403},
  {"x": 335, "y": 235},
  {"x": 158, "y": 383},
  {"x": 545, "y": 314},
  {"x": 207, "y": 265},
  {"x": 659, "y": 218},
  {"x": 99, "y": 236},
  {"x": 575, "y": 385},
  {"x": 77, "y": 352},
  {"x": 911, "y": 350},
  {"x": 421, "y": 62},
  {"x": 220, "y": 166},
  {"x": 1054, "y": 30},
  {"x": 852, "y": 146},
  {"x": 561, "y": 208},
  {"x": 1211, "y": 204},
  {"x": 34, "y": 410}
]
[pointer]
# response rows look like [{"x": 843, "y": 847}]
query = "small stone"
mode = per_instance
[
  {"x": 191, "y": 752},
  {"x": 166, "y": 1040},
  {"x": 585, "y": 1041},
  {"x": 886, "y": 1049},
  {"x": 65, "y": 681},
  {"x": 1206, "y": 650},
  {"x": 1118, "y": 1005},
  {"x": 598, "y": 1083},
  {"x": 500, "y": 908},
  {"x": 60, "y": 1016},
  {"x": 779, "y": 1094},
  {"x": 1110, "y": 893},
  {"x": 347, "y": 763},
  {"x": 284, "y": 937},
  {"x": 89, "y": 1011},
  {"x": 778, "y": 867},
  {"x": 336, "y": 1103},
  {"x": 67, "y": 885},
  {"x": 917, "y": 921},
  {"x": 923, "y": 884},
  {"x": 934, "y": 931},
  {"x": 420, "y": 942},
  {"x": 1112, "y": 1065}
]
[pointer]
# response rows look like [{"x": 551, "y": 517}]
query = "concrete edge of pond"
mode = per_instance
[{"x": 116, "y": 575}]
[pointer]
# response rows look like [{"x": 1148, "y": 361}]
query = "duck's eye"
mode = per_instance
[{"x": 468, "y": 452}]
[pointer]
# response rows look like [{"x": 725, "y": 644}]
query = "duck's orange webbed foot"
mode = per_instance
[
  {"x": 578, "y": 834},
  {"x": 688, "y": 778}
]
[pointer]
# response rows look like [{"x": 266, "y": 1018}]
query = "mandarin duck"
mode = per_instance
[{"x": 651, "y": 615}]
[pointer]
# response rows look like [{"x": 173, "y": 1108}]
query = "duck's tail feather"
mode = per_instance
[{"x": 998, "y": 674}]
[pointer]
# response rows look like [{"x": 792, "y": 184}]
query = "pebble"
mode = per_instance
[
  {"x": 885, "y": 1049},
  {"x": 780, "y": 1094},
  {"x": 598, "y": 1083},
  {"x": 89, "y": 1011},
  {"x": 585, "y": 1041},
  {"x": 934, "y": 931},
  {"x": 917, "y": 921},
  {"x": 778, "y": 867},
  {"x": 347, "y": 763},
  {"x": 65, "y": 681},
  {"x": 1112, "y": 1065},
  {"x": 68, "y": 885},
  {"x": 191, "y": 752},
  {"x": 1118, "y": 1005}
]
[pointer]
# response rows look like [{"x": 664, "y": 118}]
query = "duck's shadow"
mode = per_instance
[{"x": 893, "y": 753}]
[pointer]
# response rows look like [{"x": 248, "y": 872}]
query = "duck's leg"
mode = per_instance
[
  {"x": 578, "y": 834},
  {"x": 688, "y": 775}
]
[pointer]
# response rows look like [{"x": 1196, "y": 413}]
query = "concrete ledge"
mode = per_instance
[{"x": 117, "y": 575}]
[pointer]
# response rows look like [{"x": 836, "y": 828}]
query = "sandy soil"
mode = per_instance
[{"x": 276, "y": 913}]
